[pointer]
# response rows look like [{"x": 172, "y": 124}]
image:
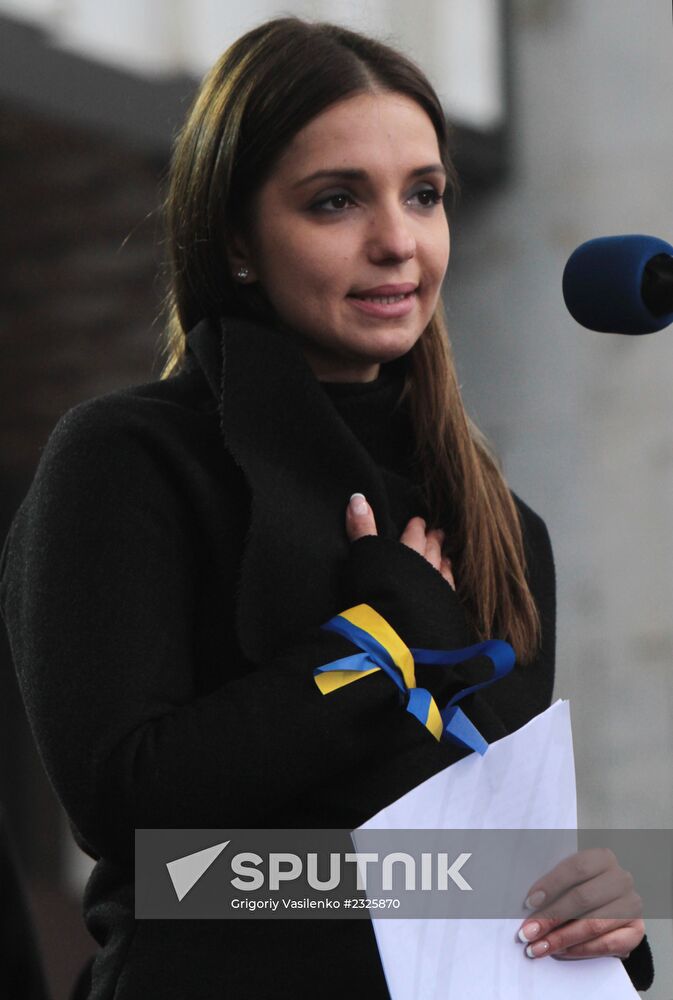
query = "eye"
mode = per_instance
[
  {"x": 428, "y": 197},
  {"x": 338, "y": 202}
]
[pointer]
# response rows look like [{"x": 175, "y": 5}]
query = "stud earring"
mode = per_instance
[{"x": 242, "y": 273}]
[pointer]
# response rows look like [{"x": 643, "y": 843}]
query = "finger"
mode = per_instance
[
  {"x": 622, "y": 912},
  {"x": 619, "y": 942},
  {"x": 573, "y": 934},
  {"x": 359, "y": 518},
  {"x": 447, "y": 572},
  {"x": 590, "y": 938},
  {"x": 414, "y": 535},
  {"x": 433, "y": 547},
  {"x": 573, "y": 870}
]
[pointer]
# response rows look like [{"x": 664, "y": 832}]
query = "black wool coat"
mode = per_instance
[{"x": 163, "y": 584}]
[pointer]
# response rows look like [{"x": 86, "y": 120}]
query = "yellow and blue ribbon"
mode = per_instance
[{"x": 382, "y": 649}]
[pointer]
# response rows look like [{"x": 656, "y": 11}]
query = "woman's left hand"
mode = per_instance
[{"x": 586, "y": 907}]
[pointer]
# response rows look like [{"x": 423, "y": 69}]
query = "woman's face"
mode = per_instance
[{"x": 349, "y": 238}]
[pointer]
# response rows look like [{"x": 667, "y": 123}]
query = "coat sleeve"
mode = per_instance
[
  {"x": 97, "y": 592},
  {"x": 496, "y": 710}
]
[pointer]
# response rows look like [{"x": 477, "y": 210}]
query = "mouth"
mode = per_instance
[
  {"x": 386, "y": 294},
  {"x": 385, "y": 299},
  {"x": 385, "y": 306}
]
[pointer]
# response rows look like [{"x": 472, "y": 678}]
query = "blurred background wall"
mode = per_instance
[
  {"x": 564, "y": 135},
  {"x": 584, "y": 421}
]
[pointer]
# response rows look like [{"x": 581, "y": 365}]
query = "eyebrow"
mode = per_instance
[{"x": 354, "y": 174}]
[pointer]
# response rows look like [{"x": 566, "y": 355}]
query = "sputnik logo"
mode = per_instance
[{"x": 186, "y": 872}]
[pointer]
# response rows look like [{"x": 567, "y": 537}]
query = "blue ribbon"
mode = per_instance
[{"x": 456, "y": 724}]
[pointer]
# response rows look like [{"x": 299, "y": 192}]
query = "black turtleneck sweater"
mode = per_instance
[
  {"x": 163, "y": 584},
  {"x": 378, "y": 418}
]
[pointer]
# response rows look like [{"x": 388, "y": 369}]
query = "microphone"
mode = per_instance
[{"x": 621, "y": 284}]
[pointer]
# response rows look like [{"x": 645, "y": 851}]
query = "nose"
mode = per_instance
[{"x": 390, "y": 235}]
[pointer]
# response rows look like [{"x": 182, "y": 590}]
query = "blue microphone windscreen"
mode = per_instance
[{"x": 602, "y": 284}]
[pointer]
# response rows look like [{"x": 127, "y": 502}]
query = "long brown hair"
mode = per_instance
[{"x": 266, "y": 87}]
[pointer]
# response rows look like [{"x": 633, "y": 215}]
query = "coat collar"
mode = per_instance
[{"x": 301, "y": 463}]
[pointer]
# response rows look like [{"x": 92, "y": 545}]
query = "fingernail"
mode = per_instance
[
  {"x": 535, "y": 950},
  {"x": 535, "y": 899},
  {"x": 529, "y": 932},
  {"x": 358, "y": 504}
]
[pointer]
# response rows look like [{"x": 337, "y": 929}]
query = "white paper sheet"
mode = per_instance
[{"x": 524, "y": 781}]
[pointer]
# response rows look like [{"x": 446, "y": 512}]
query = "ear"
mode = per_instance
[{"x": 239, "y": 259}]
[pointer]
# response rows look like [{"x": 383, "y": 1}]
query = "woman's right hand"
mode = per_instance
[{"x": 360, "y": 521}]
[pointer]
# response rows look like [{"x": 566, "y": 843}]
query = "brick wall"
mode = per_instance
[{"x": 79, "y": 229}]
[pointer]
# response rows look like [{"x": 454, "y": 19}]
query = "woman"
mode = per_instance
[{"x": 183, "y": 541}]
